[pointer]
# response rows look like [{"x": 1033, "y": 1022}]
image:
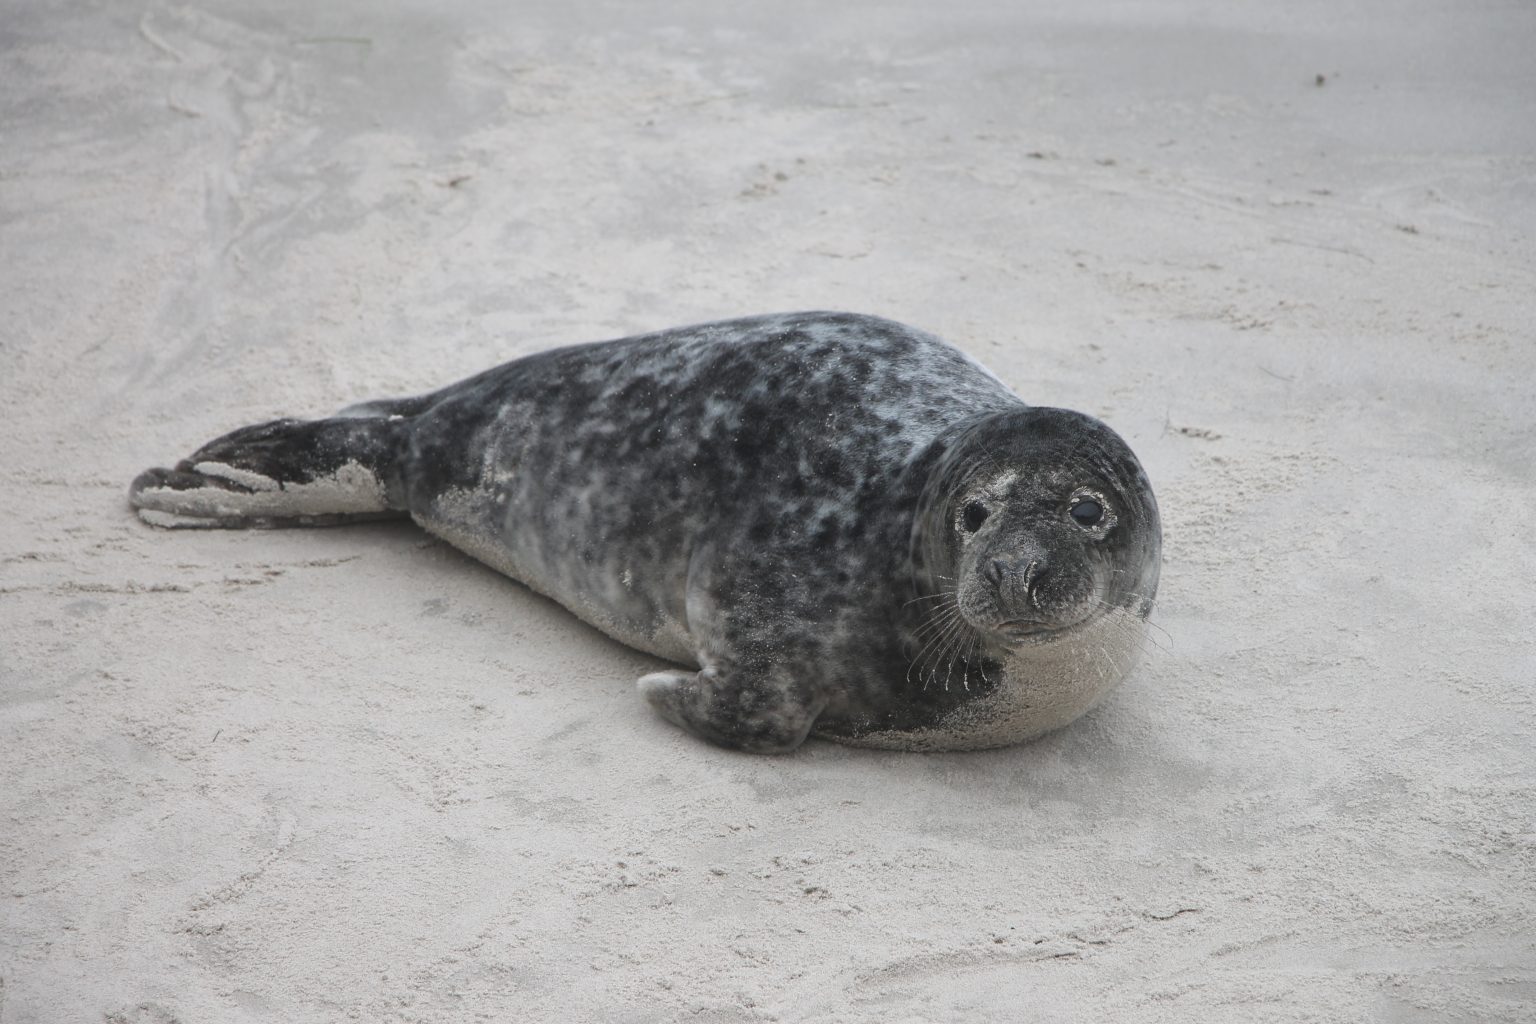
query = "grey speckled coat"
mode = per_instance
[{"x": 845, "y": 525}]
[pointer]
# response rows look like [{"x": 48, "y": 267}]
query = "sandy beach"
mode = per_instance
[{"x": 1287, "y": 251}]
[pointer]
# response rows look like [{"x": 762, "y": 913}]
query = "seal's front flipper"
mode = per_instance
[
  {"x": 282, "y": 473},
  {"x": 758, "y": 714}
]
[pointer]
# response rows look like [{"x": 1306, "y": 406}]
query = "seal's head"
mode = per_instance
[{"x": 1038, "y": 522}]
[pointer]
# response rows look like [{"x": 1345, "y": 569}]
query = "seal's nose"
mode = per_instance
[{"x": 1018, "y": 580}]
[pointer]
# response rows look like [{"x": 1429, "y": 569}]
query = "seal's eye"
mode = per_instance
[
  {"x": 1087, "y": 512},
  {"x": 973, "y": 516}
]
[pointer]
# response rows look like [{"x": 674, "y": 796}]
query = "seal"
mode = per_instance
[{"x": 834, "y": 524}]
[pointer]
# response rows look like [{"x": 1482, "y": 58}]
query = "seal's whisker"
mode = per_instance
[
  {"x": 1128, "y": 628},
  {"x": 963, "y": 641},
  {"x": 947, "y": 656},
  {"x": 1130, "y": 625},
  {"x": 932, "y": 597},
  {"x": 943, "y": 606},
  {"x": 970, "y": 654},
  {"x": 963, "y": 654},
  {"x": 939, "y": 612},
  {"x": 941, "y": 618},
  {"x": 933, "y": 641},
  {"x": 916, "y": 664},
  {"x": 940, "y": 654},
  {"x": 941, "y": 640}
]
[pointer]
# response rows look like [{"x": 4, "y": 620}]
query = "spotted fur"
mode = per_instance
[{"x": 777, "y": 503}]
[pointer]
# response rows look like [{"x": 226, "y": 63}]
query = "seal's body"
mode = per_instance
[{"x": 842, "y": 525}]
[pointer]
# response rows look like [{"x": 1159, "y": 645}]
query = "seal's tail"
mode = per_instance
[{"x": 285, "y": 473}]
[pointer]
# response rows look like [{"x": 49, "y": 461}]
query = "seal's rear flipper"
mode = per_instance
[{"x": 282, "y": 473}]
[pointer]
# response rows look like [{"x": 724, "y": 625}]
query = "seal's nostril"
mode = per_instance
[
  {"x": 996, "y": 570},
  {"x": 1034, "y": 580}
]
